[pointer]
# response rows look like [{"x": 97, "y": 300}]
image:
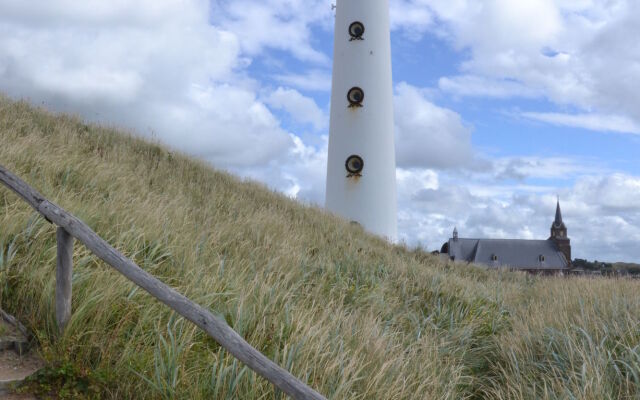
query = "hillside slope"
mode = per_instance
[{"x": 353, "y": 316}]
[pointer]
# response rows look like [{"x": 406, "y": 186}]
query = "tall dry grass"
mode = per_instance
[{"x": 346, "y": 312}]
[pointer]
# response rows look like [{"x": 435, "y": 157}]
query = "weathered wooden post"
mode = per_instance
[
  {"x": 64, "y": 269},
  {"x": 71, "y": 227}
]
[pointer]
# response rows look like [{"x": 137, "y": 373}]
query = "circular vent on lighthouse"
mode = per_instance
[
  {"x": 356, "y": 30},
  {"x": 354, "y": 165},
  {"x": 355, "y": 97}
]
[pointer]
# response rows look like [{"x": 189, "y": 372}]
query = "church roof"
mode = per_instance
[{"x": 512, "y": 253}]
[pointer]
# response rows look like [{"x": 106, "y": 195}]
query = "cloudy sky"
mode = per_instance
[{"x": 500, "y": 105}]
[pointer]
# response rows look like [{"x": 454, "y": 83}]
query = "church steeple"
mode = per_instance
[
  {"x": 558, "y": 221},
  {"x": 558, "y": 228},
  {"x": 559, "y": 234}
]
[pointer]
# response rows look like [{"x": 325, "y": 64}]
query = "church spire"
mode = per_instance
[
  {"x": 558, "y": 228},
  {"x": 558, "y": 221},
  {"x": 559, "y": 234}
]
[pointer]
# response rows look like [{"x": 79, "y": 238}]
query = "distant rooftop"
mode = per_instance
[{"x": 513, "y": 253}]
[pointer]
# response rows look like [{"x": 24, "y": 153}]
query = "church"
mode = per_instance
[{"x": 551, "y": 256}]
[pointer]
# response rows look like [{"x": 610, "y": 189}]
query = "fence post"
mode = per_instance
[
  {"x": 64, "y": 268},
  {"x": 215, "y": 327}
]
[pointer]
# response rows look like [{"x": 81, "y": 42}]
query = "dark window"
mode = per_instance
[
  {"x": 355, "y": 96},
  {"x": 354, "y": 165},
  {"x": 356, "y": 30}
]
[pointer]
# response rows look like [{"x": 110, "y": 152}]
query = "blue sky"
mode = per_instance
[{"x": 500, "y": 106}]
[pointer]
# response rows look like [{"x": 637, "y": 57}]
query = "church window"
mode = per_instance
[
  {"x": 494, "y": 257},
  {"x": 541, "y": 258}
]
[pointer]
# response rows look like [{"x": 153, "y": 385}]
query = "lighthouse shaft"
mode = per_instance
[{"x": 361, "y": 180}]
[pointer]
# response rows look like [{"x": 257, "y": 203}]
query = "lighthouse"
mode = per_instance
[{"x": 361, "y": 170}]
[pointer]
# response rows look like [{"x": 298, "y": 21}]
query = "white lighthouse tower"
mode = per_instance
[{"x": 361, "y": 170}]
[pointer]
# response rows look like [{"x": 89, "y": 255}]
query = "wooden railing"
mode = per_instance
[{"x": 70, "y": 227}]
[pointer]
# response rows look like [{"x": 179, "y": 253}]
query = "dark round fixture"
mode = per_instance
[
  {"x": 356, "y": 30},
  {"x": 354, "y": 165},
  {"x": 355, "y": 97}
]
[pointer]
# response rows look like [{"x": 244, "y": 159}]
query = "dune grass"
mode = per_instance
[{"x": 355, "y": 317}]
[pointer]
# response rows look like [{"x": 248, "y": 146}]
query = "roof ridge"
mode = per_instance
[{"x": 505, "y": 239}]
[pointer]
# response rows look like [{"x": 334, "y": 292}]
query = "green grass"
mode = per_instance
[{"x": 355, "y": 317}]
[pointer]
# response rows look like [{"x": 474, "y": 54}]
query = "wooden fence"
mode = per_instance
[{"x": 70, "y": 227}]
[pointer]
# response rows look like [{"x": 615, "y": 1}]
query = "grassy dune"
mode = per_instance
[{"x": 353, "y": 316}]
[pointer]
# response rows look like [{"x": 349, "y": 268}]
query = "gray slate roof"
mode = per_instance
[{"x": 512, "y": 253}]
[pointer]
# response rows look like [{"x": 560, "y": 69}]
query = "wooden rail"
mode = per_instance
[{"x": 70, "y": 227}]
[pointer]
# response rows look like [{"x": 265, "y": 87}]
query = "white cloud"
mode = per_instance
[
  {"x": 578, "y": 53},
  {"x": 410, "y": 181},
  {"x": 428, "y": 135},
  {"x": 226, "y": 125},
  {"x": 477, "y": 86},
  {"x": 594, "y": 122},
  {"x": 496, "y": 25},
  {"x": 276, "y": 24},
  {"x": 301, "y": 175},
  {"x": 558, "y": 168},
  {"x": 92, "y": 13},
  {"x": 413, "y": 17},
  {"x": 613, "y": 192},
  {"x": 157, "y": 68},
  {"x": 302, "y": 109},
  {"x": 312, "y": 80}
]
